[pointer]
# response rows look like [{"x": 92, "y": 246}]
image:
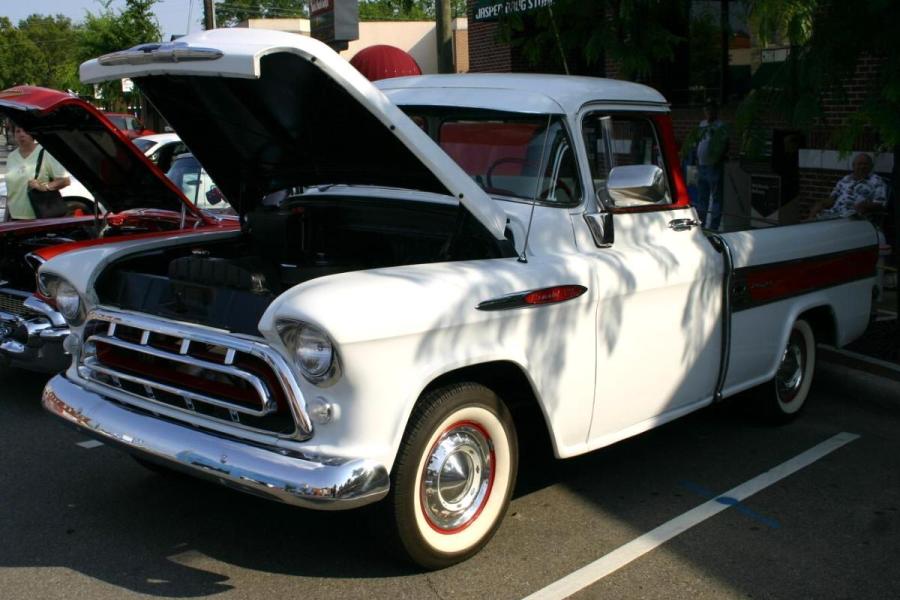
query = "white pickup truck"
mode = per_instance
[{"x": 422, "y": 265}]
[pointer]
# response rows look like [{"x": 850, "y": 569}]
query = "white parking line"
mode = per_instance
[
  {"x": 90, "y": 444},
  {"x": 636, "y": 548}
]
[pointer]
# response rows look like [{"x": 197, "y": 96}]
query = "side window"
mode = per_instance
[
  {"x": 620, "y": 141},
  {"x": 561, "y": 183}
]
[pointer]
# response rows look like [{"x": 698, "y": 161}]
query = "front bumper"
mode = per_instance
[
  {"x": 34, "y": 342},
  {"x": 320, "y": 482}
]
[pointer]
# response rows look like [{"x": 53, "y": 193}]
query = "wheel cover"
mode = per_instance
[
  {"x": 458, "y": 477},
  {"x": 789, "y": 377}
]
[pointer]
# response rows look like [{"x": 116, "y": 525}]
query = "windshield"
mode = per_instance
[
  {"x": 192, "y": 179},
  {"x": 118, "y": 121},
  {"x": 143, "y": 144},
  {"x": 506, "y": 154}
]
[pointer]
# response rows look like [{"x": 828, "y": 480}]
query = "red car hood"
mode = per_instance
[
  {"x": 93, "y": 150},
  {"x": 49, "y": 252}
]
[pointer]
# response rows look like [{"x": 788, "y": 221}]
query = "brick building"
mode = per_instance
[{"x": 796, "y": 167}]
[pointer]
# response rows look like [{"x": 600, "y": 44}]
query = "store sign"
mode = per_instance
[
  {"x": 335, "y": 22},
  {"x": 491, "y": 10}
]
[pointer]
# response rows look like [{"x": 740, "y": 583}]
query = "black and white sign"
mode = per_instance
[{"x": 491, "y": 10}]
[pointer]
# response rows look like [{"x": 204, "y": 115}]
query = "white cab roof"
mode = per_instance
[{"x": 518, "y": 92}]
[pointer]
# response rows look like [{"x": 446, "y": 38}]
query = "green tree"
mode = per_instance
[
  {"x": 18, "y": 63},
  {"x": 231, "y": 12},
  {"x": 40, "y": 51},
  {"x": 829, "y": 41},
  {"x": 405, "y": 10},
  {"x": 109, "y": 31},
  {"x": 635, "y": 34},
  {"x": 55, "y": 41}
]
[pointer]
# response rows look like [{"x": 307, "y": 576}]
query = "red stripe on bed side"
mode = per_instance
[{"x": 769, "y": 283}]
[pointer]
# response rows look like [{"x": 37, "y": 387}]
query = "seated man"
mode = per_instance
[{"x": 859, "y": 193}]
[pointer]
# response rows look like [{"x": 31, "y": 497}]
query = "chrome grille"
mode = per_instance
[
  {"x": 14, "y": 304},
  {"x": 194, "y": 373}
]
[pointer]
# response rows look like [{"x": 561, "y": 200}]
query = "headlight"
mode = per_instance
[
  {"x": 68, "y": 301},
  {"x": 64, "y": 295},
  {"x": 47, "y": 284},
  {"x": 310, "y": 348}
]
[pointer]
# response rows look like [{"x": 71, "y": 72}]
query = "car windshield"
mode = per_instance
[
  {"x": 191, "y": 178},
  {"x": 118, "y": 121},
  {"x": 506, "y": 154},
  {"x": 144, "y": 145}
]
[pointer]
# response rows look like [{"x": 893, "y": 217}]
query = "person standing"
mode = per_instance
[
  {"x": 22, "y": 175},
  {"x": 708, "y": 144}
]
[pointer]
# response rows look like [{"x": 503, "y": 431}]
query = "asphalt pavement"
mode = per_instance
[{"x": 81, "y": 520}]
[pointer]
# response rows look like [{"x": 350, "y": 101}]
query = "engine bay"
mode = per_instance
[{"x": 229, "y": 284}]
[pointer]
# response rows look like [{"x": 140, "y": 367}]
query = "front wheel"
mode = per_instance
[
  {"x": 782, "y": 399},
  {"x": 454, "y": 475}
]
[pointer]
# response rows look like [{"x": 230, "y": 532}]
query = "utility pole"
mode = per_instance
[
  {"x": 725, "y": 23},
  {"x": 444, "y": 36},
  {"x": 209, "y": 14}
]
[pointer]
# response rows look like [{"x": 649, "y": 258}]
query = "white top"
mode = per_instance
[{"x": 526, "y": 92}]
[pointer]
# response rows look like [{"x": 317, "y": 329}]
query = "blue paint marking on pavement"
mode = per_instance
[{"x": 729, "y": 501}]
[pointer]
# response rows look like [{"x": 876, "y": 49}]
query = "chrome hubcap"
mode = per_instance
[
  {"x": 790, "y": 372},
  {"x": 458, "y": 477}
]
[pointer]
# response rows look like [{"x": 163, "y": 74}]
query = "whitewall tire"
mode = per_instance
[
  {"x": 454, "y": 475},
  {"x": 782, "y": 399}
]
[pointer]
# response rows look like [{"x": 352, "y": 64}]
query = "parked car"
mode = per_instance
[
  {"x": 161, "y": 148},
  {"x": 136, "y": 199},
  {"x": 388, "y": 317},
  {"x": 128, "y": 124},
  {"x": 195, "y": 183}
]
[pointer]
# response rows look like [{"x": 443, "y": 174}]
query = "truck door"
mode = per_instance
[{"x": 659, "y": 283}]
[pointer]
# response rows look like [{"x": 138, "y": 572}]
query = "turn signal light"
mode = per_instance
[{"x": 555, "y": 294}]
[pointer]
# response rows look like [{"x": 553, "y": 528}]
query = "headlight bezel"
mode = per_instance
[
  {"x": 292, "y": 334},
  {"x": 72, "y": 305}
]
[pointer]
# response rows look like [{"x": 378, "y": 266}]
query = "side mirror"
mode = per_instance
[
  {"x": 214, "y": 196},
  {"x": 637, "y": 185},
  {"x": 601, "y": 226}
]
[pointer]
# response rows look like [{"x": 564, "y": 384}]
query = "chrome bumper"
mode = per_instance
[
  {"x": 320, "y": 482},
  {"x": 36, "y": 342}
]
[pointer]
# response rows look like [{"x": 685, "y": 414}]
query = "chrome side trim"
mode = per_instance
[
  {"x": 311, "y": 481},
  {"x": 214, "y": 337},
  {"x": 721, "y": 245}
]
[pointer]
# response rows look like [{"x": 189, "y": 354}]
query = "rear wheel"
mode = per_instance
[
  {"x": 454, "y": 475},
  {"x": 782, "y": 399}
]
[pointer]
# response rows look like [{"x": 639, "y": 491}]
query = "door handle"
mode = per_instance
[{"x": 683, "y": 224}]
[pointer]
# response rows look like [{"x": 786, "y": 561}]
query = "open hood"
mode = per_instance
[
  {"x": 266, "y": 110},
  {"x": 96, "y": 153}
]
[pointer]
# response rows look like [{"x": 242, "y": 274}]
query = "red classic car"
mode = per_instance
[
  {"x": 136, "y": 199},
  {"x": 128, "y": 124}
]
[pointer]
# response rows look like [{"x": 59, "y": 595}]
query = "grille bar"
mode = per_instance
[
  {"x": 151, "y": 386},
  {"x": 200, "y": 361},
  {"x": 268, "y": 403},
  {"x": 14, "y": 304}
]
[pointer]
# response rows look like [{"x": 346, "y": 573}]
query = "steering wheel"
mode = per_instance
[{"x": 508, "y": 160}]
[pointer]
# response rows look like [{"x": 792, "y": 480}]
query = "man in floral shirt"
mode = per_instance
[{"x": 858, "y": 193}]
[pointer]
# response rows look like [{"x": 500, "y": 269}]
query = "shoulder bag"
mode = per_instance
[{"x": 49, "y": 204}]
